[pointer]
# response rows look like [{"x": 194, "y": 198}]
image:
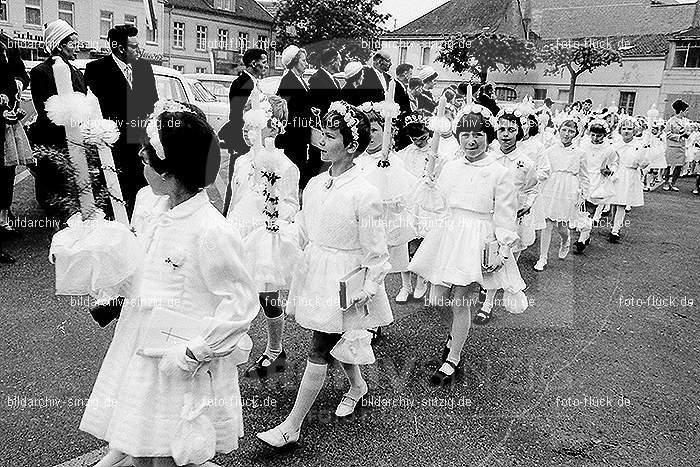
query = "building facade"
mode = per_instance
[
  {"x": 642, "y": 31},
  {"x": 22, "y": 21}
]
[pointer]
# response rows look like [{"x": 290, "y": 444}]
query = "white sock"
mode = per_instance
[
  {"x": 618, "y": 219},
  {"x": 311, "y": 384},
  {"x": 545, "y": 241},
  {"x": 461, "y": 322},
  {"x": 406, "y": 280},
  {"x": 490, "y": 297},
  {"x": 358, "y": 386}
]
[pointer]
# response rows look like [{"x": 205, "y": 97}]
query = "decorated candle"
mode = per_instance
[
  {"x": 435, "y": 142},
  {"x": 389, "y": 100}
]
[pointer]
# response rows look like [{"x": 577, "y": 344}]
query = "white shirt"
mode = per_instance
[{"x": 126, "y": 70}]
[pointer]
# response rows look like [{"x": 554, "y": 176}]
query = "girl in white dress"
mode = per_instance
[
  {"x": 192, "y": 266},
  {"x": 562, "y": 194},
  {"x": 524, "y": 172},
  {"x": 247, "y": 213},
  {"x": 653, "y": 175},
  {"x": 601, "y": 164},
  {"x": 481, "y": 197},
  {"x": 396, "y": 215},
  {"x": 341, "y": 228},
  {"x": 628, "y": 186}
]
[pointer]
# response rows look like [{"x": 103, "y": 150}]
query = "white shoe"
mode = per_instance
[
  {"x": 421, "y": 288},
  {"x": 564, "y": 249},
  {"x": 403, "y": 295},
  {"x": 540, "y": 264},
  {"x": 348, "y": 403},
  {"x": 277, "y": 438}
]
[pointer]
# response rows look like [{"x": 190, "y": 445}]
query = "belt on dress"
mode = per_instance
[
  {"x": 487, "y": 216},
  {"x": 331, "y": 249}
]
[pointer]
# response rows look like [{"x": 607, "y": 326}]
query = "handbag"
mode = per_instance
[
  {"x": 604, "y": 190},
  {"x": 489, "y": 255}
]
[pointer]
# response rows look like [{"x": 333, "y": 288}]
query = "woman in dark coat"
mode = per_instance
[{"x": 294, "y": 90}]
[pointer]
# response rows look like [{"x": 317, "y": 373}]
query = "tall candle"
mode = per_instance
[
  {"x": 389, "y": 100},
  {"x": 435, "y": 142}
]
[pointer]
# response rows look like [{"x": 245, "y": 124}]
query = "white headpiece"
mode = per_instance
[
  {"x": 55, "y": 32},
  {"x": 288, "y": 54}
]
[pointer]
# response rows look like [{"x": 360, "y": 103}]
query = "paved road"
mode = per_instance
[{"x": 601, "y": 370}]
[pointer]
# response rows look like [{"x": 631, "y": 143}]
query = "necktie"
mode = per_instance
[{"x": 128, "y": 75}]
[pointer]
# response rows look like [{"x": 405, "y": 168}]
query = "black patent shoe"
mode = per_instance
[
  {"x": 580, "y": 246},
  {"x": 614, "y": 238},
  {"x": 376, "y": 335},
  {"x": 265, "y": 366},
  {"x": 441, "y": 379},
  {"x": 6, "y": 258}
]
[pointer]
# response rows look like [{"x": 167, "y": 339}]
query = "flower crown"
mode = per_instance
[
  {"x": 159, "y": 108},
  {"x": 624, "y": 118},
  {"x": 385, "y": 109},
  {"x": 349, "y": 115},
  {"x": 416, "y": 119},
  {"x": 599, "y": 122},
  {"x": 476, "y": 109},
  {"x": 515, "y": 112}
]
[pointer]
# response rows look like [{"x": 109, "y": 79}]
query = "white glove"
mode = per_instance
[
  {"x": 175, "y": 361},
  {"x": 362, "y": 298}
]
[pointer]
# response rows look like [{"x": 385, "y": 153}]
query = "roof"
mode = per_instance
[
  {"x": 611, "y": 18},
  {"x": 646, "y": 45},
  {"x": 690, "y": 33},
  {"x": 271, "y": 6},
  {"x": 459, "y": 16},
  {"x": 249, "y": 9},
  {"x": 561, "y": 19}
]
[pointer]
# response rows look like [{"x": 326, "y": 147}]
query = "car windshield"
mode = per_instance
[{"x": 201, "y": 93}]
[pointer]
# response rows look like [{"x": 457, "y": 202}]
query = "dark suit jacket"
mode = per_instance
[
  {"x": 11, "y": 68},
  {"x": 489, "y": 103},
  {"x": 128, "y": 106},
  {"x": 297, "y": 131},
  {"x": 372, "y": 86},
  {"x": 323, "y": 90},
  {"x": 43, "y": 131},
  {"x": 426, "y": 102},
  {"x": 232, "y": 131},
  {"x": 352, "y": 95},
  {"x": 401, "y": 97}
]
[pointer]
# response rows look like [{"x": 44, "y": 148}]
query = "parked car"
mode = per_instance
[
  {"x": 219, "y": 85},
  {"x": 170, "y": 83}
]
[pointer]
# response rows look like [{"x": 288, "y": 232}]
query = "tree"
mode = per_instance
[
  {"x": 351, "y": 26},
  {"x": 576, "y": 58},
  {"x": 484, "y": 52}
]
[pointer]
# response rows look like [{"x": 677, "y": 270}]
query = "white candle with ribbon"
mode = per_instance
[{"x": 389, "y": 101}]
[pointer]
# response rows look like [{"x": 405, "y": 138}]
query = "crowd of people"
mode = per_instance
[{"x": 330, "y": 188}]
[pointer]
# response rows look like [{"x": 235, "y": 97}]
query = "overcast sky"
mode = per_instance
[{"x": 405, "y": 11}]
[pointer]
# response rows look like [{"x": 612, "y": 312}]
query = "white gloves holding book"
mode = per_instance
[{"x": 362, "y": 298}]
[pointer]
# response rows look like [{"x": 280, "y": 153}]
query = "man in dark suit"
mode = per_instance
[
  {"x": 324, "y": 88},
  {"x": 403, "y": 75},
  {"x": 255, "y": 62},
  {"x": 376, "y": 77},
  {"x": 126, "y": 89}
]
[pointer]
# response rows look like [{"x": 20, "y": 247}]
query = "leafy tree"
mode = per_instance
[
  {"x": 577, "y": 58},
  {"x": 484, "y": 52},
  {"x": 351, "y": 26}
]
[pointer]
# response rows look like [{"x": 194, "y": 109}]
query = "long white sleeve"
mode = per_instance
[
  {"x": 373, "y": 239},
  {"x": 505, "y": 208}
]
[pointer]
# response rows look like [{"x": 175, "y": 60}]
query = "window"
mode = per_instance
[
  {"x": 170, "y": 87},
  {"x": 506, "y": 94},
  {"x": 424, "y": 56},
  {"x": 540, "y": 94},
  {"x": 65, "y": 12},
  {"x": 152, "y": 34},
  {"x": 131, "y": 19},
  {"x": 200, "y": 69},
  {"x": 32, "y": 9},
  {"x": 263, "y": 42},
  {"x": 563, "y": 95},
  {"x": 201, "y": 38},
  {"x": 223, "y": 39},
  {"x": 242, "y": 41},
  {"x": 180, "y": 68},
  {"x": 278, "y": 60},
  {"x": 403, "y": 51},
  {"x": 179, "y": 35},
  {"x": 627, "y": 102},
  {"x": 687, "y": 54},
  {"x": 106, "y": 23},
  {"x": 223, "y": 5},
  {"x": 3, "y": 10}
]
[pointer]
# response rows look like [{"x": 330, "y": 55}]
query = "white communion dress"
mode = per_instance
[
  {"x": 192, "y": 266},
  {"x": 562, "y": 193},
  {"x": 395, "y": 185},
  {"x": 482, "y": 201},
  {"x": 340, "y": 228},
  {"x": 628, "y": 184},
  {"x": 598, "y": 157},
  {"x": 527, "y": 185}
]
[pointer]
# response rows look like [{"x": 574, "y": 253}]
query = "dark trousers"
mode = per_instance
[
  {"x": 7, "y": 186},
  {"x": 673, "y": 173},
  {"x": 129, "y": 172},
  {"x": 321, "y": 345}
]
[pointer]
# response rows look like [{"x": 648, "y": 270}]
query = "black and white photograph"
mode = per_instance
[{"x": 267, "y": 233}]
